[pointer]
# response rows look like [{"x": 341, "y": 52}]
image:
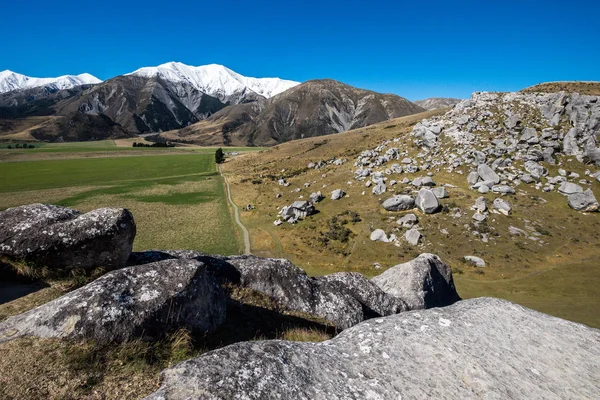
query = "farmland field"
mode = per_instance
[{"x": 177, "y": 200}]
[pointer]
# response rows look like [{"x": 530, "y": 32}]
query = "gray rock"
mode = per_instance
[
  {"x": 423, "y": 282},
  {"x": 427, "y": 181},
  {"x": 526, "y": 178},
  {"x": 379, "y": 188},
  {"x": 483, "y": 189},
  {"x": 504, "y": 189},
  {"x": 427, "y": 202},
  {"x": 129, "y": 303},
  {"x": 535, "y": 169},
  {"x": 62, "y": 238},
  {"x": 408, "y": 221},
  {"x": 316, "y": 197},
  {"x": 473, "y": 260},
  {"x": 379, "y": 235},
  {"x": 478, "y": 348},
  {"x": 472, "y": 178},
  {"x": 487, "y": 174},
  {"x": 585, "y": 201},
  {"x": 479, "y": 217},
  {"x": 440, "y": 192},
  {"x": 481, "y": 204},
  {"x": 374, "y": 301},
  {"x": 337, "y": 194},
  {"x": 512, "y": 121},
  {"x": 399, "y": 203},
  {"x": 413, "y": 236},
  {"x": 502, "y": 206},
  {"x": 569, "y": 188},
  {"x": 529, "y": 135}
]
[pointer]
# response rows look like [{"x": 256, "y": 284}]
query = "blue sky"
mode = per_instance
[{"x": 416, "y": 49}]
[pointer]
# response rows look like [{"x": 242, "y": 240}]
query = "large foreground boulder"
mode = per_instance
[
  {"x": 63, "y": 238},
  {"x": 427, "y": 202},
  {"x": 399, "y": 203},
  {"x": 146, "y": 300},
  {"x": 474, "y": 349},
  {"x": 423, "y": 282},
  {"x": 585, "y": 201}
]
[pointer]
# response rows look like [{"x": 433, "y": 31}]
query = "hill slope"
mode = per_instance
[
  {"x": 434, "y": 103},
  {"x": 542, "y": 254}
]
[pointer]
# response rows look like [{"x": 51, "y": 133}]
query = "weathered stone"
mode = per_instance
[
  {"x": 316, "y": 197},
  {"x": 379, "y": 235},
  {"x": 423, "y": 282},
  {"x": 440, "y": 192},
  {"x": 478, "y": 348},
  {"x": 481, "y": 204},
  {"x": 337, "y": 194},
  {"x": 129, "y": 303},
  {"x": 399, "y": 203},
  {"x": 585, "y": 201},
  {"x": 427, "y": 202},
  {"x": 408, "y": 221},
  {"x": 569, "y": 188},
  {"x": 472, "y": 178},
  {"x": 487, "y": 174},
  {"x": 479, "y": 217},
  {"x": 413, "y": 236},
  {"x": 473, "y": 260},
  {"x": 502, "y": 206},
  {"x": 535, "y": 169},
  {"x": 380, "y": 188},
  {"x": 504, "y": 189},
  {"x": 62, "y": 238}
]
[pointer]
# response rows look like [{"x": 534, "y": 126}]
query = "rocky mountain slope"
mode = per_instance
[
  {"x": 11, "y": 81},
  {"x": 314, "y": 108},
  {"x": 434, "y": 103}
]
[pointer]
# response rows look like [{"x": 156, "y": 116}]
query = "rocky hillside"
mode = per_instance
[
  {"x": 586, "y": 88},
  {"x": 314, "y": 108},
  {"x": 434, "y": 103},
  {"x": 504, "y": 186}
]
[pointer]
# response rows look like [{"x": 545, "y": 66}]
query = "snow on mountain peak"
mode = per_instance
[
  {"x": 10, "y": 81},
  {"x": 216, "y": 80}
]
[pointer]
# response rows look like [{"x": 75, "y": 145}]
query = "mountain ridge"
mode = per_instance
[{"x": 12, "y": 81}]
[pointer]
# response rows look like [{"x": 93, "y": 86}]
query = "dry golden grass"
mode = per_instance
[
  {"x": 305, "y": 335},
  {"x": 518, "y": 267},
  {"x": 588, "y": 88}
]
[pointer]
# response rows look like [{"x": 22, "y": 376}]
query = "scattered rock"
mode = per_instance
[
  {"x": 408, "y": 221},
  {"x": 487, "y": 174},
  {"x": 569, "y": 188},
  {"x": 473, "y": 260},
  {"x": 129, "y": 303},
  {"x": 399, "y": 203},
  {"x": 413, "y": 236},
  {"x": 423, "y": 282},
  {"x": 440, "y": 192},
  {"x": 502, "y": 206},
  {"x": 585, "y": 201},
  {"x": 379, "y": 235},
  {"x": 337, "y": 194},
  {"x": 61, "y": 238},
  {"x": 316, "y": 197},
  {"x": 427, "y": 202}
]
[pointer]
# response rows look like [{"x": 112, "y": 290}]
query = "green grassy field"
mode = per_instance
[{"x": 178, "y": 201}]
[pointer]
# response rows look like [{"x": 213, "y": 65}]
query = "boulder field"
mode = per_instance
[{"x": 404, "y": 334}]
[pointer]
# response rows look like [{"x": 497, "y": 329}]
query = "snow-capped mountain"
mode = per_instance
[
  {"x": 10, "y": 81},
  {"x": 218, "y": 81}
]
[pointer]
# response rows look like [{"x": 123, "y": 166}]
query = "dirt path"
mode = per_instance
[{"x": 236, "y": 215}]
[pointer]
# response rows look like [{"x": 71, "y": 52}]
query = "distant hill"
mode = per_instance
[
  {"x": 314, "y": 108},
  {"x": 434, "y": 103}
]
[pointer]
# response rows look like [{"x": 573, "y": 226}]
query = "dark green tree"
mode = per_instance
[{"x": 219, "y": 156}]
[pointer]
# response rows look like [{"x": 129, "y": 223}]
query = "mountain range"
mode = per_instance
[{"x": 209, "y": 104}]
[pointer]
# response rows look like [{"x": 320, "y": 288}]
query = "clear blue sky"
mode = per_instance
[{"x": 415, "y": 48}]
